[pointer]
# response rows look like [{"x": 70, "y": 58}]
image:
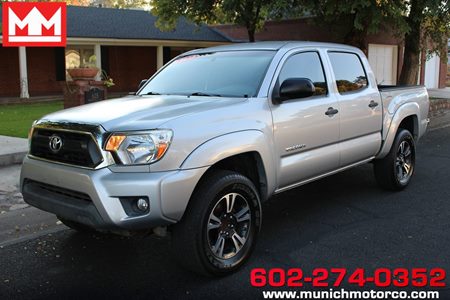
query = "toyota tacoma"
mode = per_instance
[{"x": 215, "y": 133}]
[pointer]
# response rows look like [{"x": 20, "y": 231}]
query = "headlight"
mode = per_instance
[
  {"x": 135, "y": 148},
  {"x": 30, "y": 133}
]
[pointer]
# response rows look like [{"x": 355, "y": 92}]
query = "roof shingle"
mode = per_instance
[{"x": 95, "y": 22}]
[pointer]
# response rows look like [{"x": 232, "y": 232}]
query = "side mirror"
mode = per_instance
[
  {"x": 295, "y": 88},
  {"x": 141, "y": 84}
]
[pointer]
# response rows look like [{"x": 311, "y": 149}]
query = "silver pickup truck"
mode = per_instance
[{"x": 215, "y": 133}]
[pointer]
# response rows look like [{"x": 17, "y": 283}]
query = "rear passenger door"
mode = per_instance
[
  {"x": 360, "y": 107},
  {"x": 306, "y": 137}
]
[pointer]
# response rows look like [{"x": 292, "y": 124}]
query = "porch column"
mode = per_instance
[
  {"x": 98, "y": 60},
  {"x": 159, "y": 57},
  {"x": 24, "y": 94}
]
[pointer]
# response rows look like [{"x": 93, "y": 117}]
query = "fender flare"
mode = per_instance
[
  {"x": 235, "y": 143},
  {"x": 404, "y": 111}
]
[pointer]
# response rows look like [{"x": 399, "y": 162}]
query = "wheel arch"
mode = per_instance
[
  {"x": 406, "y": 117},
  {"x": 249, "y": 164},
  {"x": 246, "y": 152},
  {"x": 410, "y": 123}
]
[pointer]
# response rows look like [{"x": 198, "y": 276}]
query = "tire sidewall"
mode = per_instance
[
  {"x": 241, "y": 185},
  {"x": 404, "y": 135}
]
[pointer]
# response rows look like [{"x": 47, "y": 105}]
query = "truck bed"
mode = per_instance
[
  {"x": 388, "y": 88},
  {"x": 394, "y": 96}
]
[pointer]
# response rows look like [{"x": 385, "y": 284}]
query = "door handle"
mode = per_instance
[
  {"x": 373, "y": 104},
  {"x": 331, "y": 111}
]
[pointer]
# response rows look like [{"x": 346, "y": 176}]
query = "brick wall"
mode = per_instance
[
  {"x": 129, "y": 65},
  {"x": 42, "y": 72},
  {"x": 9, "y": 72}
]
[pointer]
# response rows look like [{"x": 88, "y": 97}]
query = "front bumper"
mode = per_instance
[{"x": 93, "y": 197}]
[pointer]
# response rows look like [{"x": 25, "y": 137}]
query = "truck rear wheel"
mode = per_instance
[
  {"x": 394, "y": 172},
  {"x": 219, "y": 228}
]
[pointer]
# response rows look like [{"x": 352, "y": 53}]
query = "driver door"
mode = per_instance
[{"x": 306, "y": 133}]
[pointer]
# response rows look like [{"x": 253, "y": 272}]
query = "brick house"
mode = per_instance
[
  {"x": 384, "y": 50},
  {"x": 124, "y": 43}
]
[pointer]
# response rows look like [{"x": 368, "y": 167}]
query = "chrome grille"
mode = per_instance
[{"x": 79, "y": 149}]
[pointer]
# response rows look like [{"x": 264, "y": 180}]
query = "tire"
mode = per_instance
[
  {"x": 218, "y": 231},
  {"x": 76, "y": 226},
  {"x": 394, "y": 172}
]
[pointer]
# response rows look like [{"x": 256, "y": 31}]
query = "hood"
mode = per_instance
[{"x": 138, "y": 112}]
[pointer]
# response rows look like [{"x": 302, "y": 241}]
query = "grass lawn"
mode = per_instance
[{"x": 16, "y": 119}]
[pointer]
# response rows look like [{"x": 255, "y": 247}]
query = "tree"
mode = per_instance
[
  {"x": 354, "y": 20},
  {"x": 76, "y": 2},
  {"x": 248, "y": 13},
  {"x": 121, "y": 3},
  {"x": 424, "y": 25},
  {"x": 428, "y": 30}
]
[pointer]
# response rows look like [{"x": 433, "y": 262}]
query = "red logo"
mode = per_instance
[{"x": 34, "y": 24}]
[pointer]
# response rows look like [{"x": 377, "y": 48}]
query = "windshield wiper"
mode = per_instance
[{"x": 204, "y": 94}]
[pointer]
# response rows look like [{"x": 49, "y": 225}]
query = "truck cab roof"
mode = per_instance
[{"x": 273, "y": 46}]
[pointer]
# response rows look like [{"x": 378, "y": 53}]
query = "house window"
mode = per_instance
[{"x": 80, "y": 57}]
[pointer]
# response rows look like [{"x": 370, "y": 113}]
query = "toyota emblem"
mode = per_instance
[{"x": 55, "y": 144}]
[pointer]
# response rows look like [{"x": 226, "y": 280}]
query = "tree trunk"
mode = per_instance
[
  {"x": 357, "y": 38},
  {"x": 252, "y": 23},
  {"x": 411, "y": 58},
  {"x": 251, "y": 35}
]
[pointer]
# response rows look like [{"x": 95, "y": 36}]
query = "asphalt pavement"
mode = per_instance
[
  {"x": 18, "y": 220},
  {"x": 342, "y": 221}
]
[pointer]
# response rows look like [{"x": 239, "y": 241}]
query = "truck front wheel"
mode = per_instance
[
  {"x": 219, "y": 228},
  {"x": 394, "y": 171}
]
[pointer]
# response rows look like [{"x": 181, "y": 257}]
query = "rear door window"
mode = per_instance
[{"x": 348, "y": 71}]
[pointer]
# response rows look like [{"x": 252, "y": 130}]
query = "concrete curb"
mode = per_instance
[
  {"x": 12, "y": 158},
  {"x": 12, "y": 150}
]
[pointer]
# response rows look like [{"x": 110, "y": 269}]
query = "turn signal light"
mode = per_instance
[{"x": 114, "y": 142}]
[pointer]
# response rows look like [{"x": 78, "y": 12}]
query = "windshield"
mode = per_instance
[{"x": 228, "y": 74}]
